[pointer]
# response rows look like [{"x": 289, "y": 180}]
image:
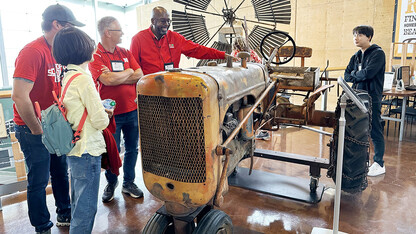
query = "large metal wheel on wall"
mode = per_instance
[
  {"x": 268, "y": 13},
  {"x": 356, "y": 146}
]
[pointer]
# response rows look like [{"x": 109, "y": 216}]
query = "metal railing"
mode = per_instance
[{"x": 326, "y": 79}]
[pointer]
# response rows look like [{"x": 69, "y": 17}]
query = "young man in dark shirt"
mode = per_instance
[{"x": 366, "y": 70}]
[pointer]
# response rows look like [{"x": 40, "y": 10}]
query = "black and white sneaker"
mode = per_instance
[
  {"x": 108, "y": 194},
  {"x": 63, "y": 220},
  {"x": 45, "y": 232},
  {"x": 263, "y": 135},
  {"x": 132, "y": 190}
]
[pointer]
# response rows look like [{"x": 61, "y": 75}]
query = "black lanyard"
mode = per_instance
[
  {"x": 118, "y": 54},
  {"x": 160, "y": 55}
]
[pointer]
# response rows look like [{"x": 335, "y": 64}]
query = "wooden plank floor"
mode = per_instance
[{"x": 386, "y": 206}]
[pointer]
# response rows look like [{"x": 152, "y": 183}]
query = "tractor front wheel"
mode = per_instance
[
  {"x": 159, "y": 224},
  {"x": 215, "y": 221}
]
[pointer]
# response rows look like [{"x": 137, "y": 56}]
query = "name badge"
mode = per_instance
[
  {"x": 117, "y": 66},
  {"x": 359, "y": 67},
  {"x": 168, "y": 66}
]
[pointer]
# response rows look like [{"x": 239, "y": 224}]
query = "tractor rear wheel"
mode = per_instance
[{"x": 356, "y": 146}]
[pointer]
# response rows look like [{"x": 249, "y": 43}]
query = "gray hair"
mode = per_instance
[{"x": 104, "y": 23}]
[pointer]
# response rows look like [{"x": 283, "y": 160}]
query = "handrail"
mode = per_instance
[
  {"x": 5, "y": 93},
  {"x": 336, "y": 68}
]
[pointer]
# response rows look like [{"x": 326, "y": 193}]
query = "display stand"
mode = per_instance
[
  {"x": 276, "y": 185},
  {"x": 349, "y": 94}
]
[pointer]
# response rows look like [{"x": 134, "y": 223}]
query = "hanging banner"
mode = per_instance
[{"x": 404, "y": 25}]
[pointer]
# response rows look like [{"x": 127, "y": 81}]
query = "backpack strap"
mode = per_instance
[
  {"x": 67, "y": 85},
  {"x": 59, "y": 101},
  {"x": 77, "y": 133}
]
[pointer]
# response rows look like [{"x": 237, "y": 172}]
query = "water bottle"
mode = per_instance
[{"x": 109, "y": 104}]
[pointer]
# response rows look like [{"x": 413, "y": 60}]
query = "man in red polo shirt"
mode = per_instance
[
  {"x": 158, "y": 49},
  {"x": 34, "y": 78},
  {"x": 117, "y": 73}
]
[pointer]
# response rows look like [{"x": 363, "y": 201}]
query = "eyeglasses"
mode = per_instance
[
  {"x": 164, "y": 21},
  {"x": 115, "y": 30}
]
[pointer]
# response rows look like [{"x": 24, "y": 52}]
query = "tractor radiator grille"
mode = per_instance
[{"x": 172, "y": 137}]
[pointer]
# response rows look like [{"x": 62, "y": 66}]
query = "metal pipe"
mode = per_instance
[
  {"x": 226, "y": 5},
  {"x": 308, "y": 128},
  {"x": 241, "y": 3},
  {"x": 218, "y": 196},
  {"x": 216, "y": 33},
  {"x": 340, "y": 156},
  {"x": 234, "y": 133},
  {"x": 325, "y": 94}
]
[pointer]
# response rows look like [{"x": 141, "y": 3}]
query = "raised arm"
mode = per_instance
[{"x": 194, "y": 50}]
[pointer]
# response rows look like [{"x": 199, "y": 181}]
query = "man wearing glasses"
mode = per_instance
[
  {"x": 35, "y": 77},
  {"x": 158, "y": 49},
  {"x": 117, "y": 72},
  {"x": 366, "y": 71}
]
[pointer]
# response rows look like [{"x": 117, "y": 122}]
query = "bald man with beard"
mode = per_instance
[{"x": 158, "y": 49}]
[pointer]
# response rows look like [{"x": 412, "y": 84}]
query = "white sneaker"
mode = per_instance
[
  {"x": 263, "y": 135},
  {"x": 376, "y": 170}
]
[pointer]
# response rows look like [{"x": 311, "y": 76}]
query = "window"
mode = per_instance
[{"x": 21, "y": 25}]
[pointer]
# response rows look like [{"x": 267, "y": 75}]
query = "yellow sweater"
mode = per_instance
[{"x": 81, "y": 93}]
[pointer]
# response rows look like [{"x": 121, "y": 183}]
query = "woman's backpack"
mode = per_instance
[{"x": 58, "y": 136}]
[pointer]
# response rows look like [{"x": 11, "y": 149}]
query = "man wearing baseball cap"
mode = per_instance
[{"x": 34, "y": 78}]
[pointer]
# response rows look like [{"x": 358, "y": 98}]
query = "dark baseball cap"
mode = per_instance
[{"x": 60, "y": 13}]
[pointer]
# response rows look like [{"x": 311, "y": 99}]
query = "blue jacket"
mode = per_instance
[{"x": 371, "y": 76}]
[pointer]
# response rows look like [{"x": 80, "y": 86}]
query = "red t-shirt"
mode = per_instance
[
  {"x": 152, "y": 54},
  {"x": 124, "y": 94},
  {"x": 36, "y": 63}
]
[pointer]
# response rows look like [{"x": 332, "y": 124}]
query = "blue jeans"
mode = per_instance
[
  {"x": 40, "y": 165},
  {"x": 377, "y": 134},
  {"x": 85, "y": 181},
  {"x": 127, "y": 123}
]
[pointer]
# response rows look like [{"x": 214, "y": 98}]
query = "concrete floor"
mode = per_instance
[{"x": 386, "y": 206}]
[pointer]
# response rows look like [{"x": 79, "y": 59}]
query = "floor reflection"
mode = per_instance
[{"x": 386, "y": 206}]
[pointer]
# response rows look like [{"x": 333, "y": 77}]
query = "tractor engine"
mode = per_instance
[{"x": 184, "y": 114}]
